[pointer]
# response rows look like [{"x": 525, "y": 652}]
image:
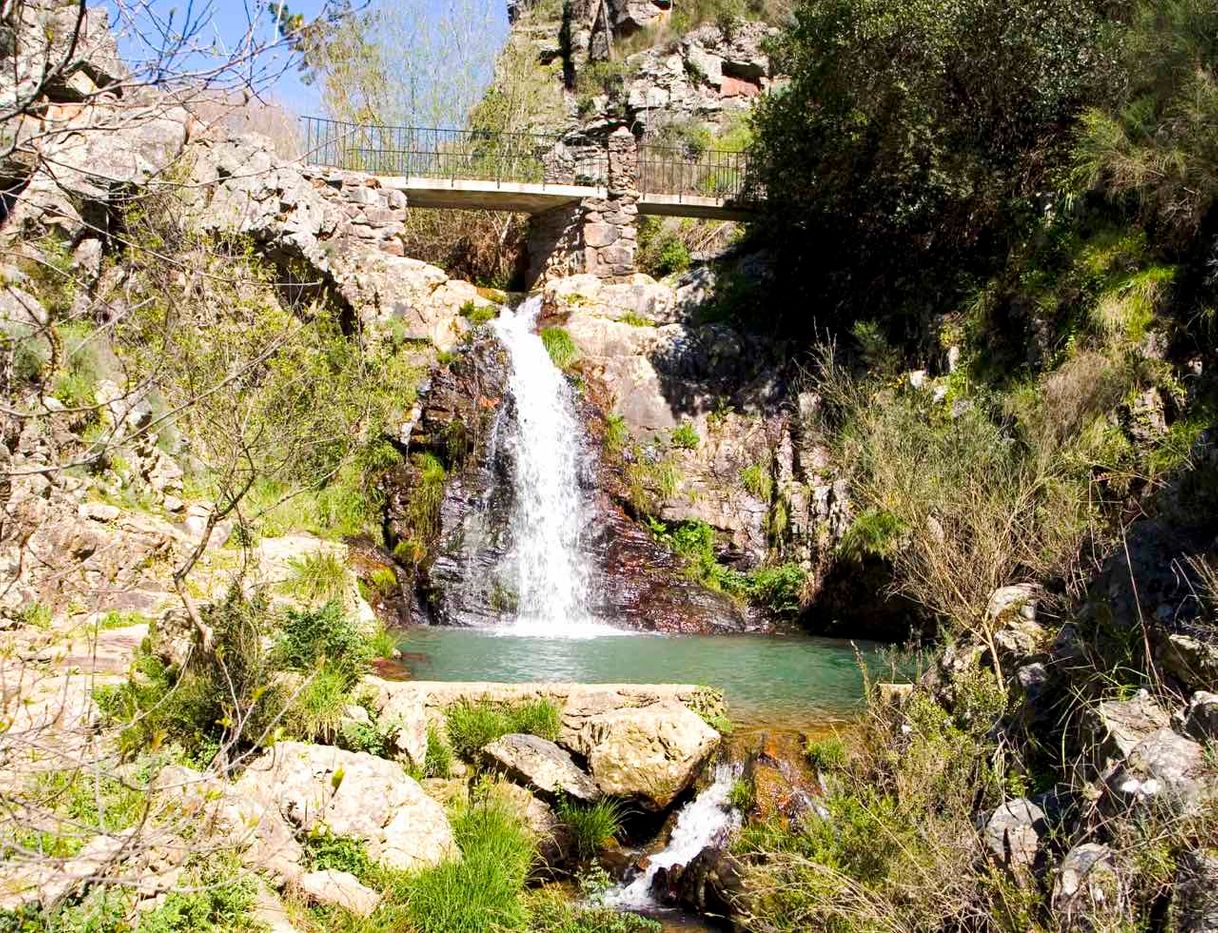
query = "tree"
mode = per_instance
[{"x": 912, "y": 139}]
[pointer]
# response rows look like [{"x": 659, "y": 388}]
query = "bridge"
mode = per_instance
[{"x": 531, "y": 172}]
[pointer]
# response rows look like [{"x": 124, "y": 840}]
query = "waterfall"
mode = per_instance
[
  {"x": 704, "y": 821},
  {"x": 549, "y": 513}
]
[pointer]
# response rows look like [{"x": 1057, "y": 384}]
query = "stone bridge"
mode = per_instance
[{"x": 584, "y": 190}]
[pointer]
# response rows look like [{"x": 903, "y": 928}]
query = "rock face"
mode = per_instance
[
  {"x": 542, "y": 765},
  {"x": 651, "y": 753},
  {"x": 295, "y": 787}
]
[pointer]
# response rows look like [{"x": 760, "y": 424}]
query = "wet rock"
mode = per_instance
[
  {"x": 1013, "y": 832},
  {"x": 1115, "y": 727},
  {"x": 542, "y": 765},
  {"x": 649, "y": 753},
  {"x": 712, "y": 884},
  {"x": 340, "y": 889},
  {"x": 784, "y": 787},
  {"x": 1088, "y": 892}
]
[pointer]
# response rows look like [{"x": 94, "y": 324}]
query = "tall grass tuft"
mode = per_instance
[
  {"x": 592, "y": 826},
  {"x": 317, "y": 577},
  {"x": 483, "y": 890},
  {"x": 473, "y": 725}
]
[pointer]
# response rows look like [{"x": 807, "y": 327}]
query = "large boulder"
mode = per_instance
[
  {"x": 319, "y": 788},
  {"x": 542, "y": 765},
  {"x": 650, "y": 753}
]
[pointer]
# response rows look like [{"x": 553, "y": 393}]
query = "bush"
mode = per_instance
[
  {"x": 912, "y": 141},
  {"x": 826, "y": 754},
  {"x": 593, "y": 825},
  {"x": 473, "y": 725},
  {"x": 560, "y": 346},
  {"x": 323, "y": 638}
]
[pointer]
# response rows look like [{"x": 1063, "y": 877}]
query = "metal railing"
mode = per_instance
[
  {"x": 696, "y": 172},
  {"x": 428, "y": 152},
  {"x": 538, "y": 158}
]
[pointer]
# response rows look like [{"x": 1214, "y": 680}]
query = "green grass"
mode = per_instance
[
  {"x": 827, "y": 754},
  {"x": 592, "y": 826},
  {"x": 741, "y": 796},
  {"x": 438, "y": 761},
  {"x": 473, "y": 725},
  {"x": 482, "y": 891},
  {"x": 684, "y": 436},
  {"x": 319, "y": 707},
  {"x": 317, "y": 577},
  {"x": 757, "y": 481},
  {"x": 560, "y": 346},
  {"x": 478, "y": 314}
]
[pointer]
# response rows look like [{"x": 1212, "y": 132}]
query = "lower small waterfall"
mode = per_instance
[
  {"x": 704, "y": 821},
  {"x": 549, "y": 561}
]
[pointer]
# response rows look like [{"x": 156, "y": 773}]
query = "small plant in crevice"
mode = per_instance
[
  {"x": 684, "y": 436},
  {"x": 741, "y": 795},
  {"x": 592, "y": 825},
  {"x": 826, "y": 754},
  {"x": 560, "y": 346}
]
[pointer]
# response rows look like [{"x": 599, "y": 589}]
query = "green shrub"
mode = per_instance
[
  {"x": 560, "y": 346},
  {"x": 684, "y": 436},
  {"x": 478, "y": 314},
  {"x": 326, "y": 637},
  {"x": 317, "y": 577},
  {"x": 592, "y": 825},
  {"x": 826, "y": 754},
  {"x": 217, "y": 894},
  {"x": 223, "y": 698},
  {"x": 325, "y": 850},
  {"x": 473, "y": 725},
  {"x": 873, "y": 533}
]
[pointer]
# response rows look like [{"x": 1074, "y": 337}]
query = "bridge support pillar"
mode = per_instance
[{"x": 598, "y": 236}]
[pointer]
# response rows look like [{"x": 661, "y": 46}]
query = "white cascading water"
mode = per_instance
[
  {"x": 704, "y": 821},
  {"x": 550, "y": 565}
]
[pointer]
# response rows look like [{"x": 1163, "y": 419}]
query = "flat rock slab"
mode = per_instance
[{"x": 542, "y": 765}]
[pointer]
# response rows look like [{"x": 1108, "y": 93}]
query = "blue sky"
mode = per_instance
[{"x": 221, "y": 25}]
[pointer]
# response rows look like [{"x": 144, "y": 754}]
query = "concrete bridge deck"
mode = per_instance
[{"x": 539, "y": 197}]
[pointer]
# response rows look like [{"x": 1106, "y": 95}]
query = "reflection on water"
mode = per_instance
[{"x": 766, "y": 679}]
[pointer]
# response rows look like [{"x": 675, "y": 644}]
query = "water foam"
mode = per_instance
[
  {"x": 705, "y": 820},
  {"x": 550, "y": 562}
]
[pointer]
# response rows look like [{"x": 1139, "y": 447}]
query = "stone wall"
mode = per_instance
[{"x": 599, "y": 236}]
